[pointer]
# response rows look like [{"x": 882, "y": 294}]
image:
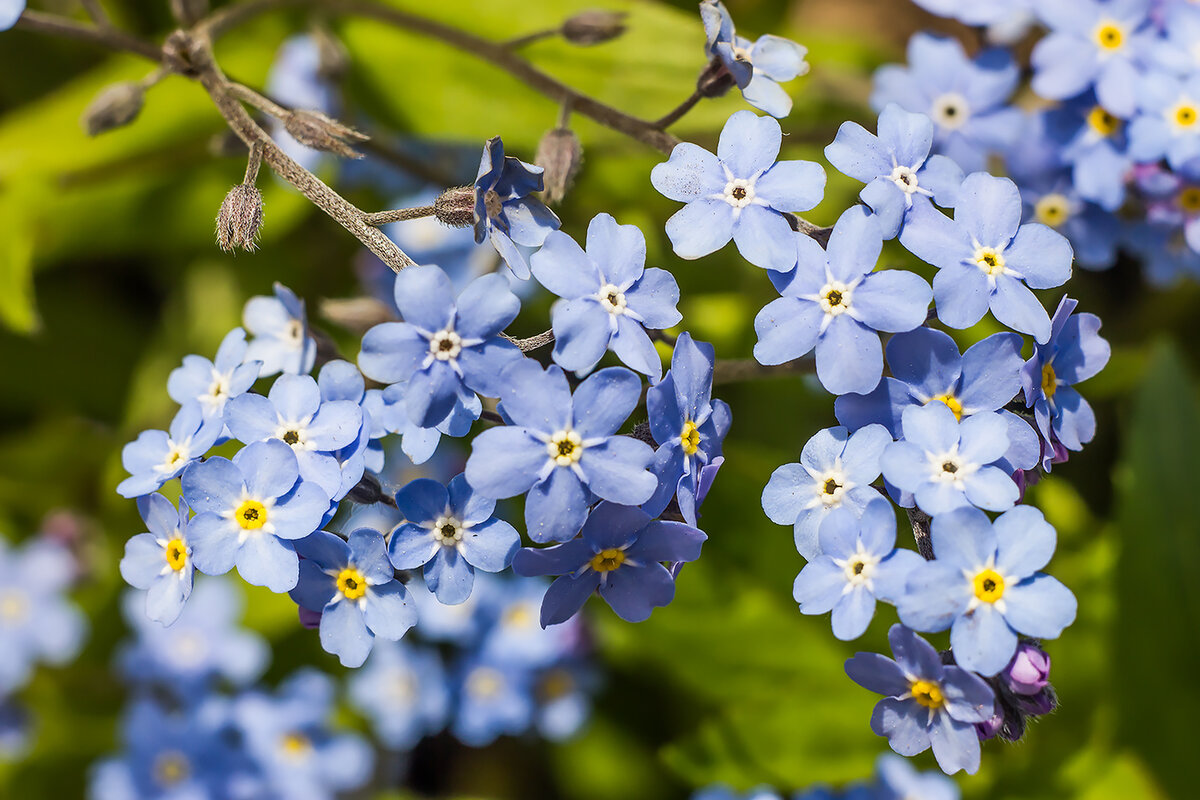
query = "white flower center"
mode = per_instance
[
  {"x": 565, "y": 447},
  {"x": 905, "y": 178},
  {"x": 835, "y": 298},
  {"x": 294, "y": 332},
  {"x": 950, "y": 467},
  {"x": 739, "y": 192},
  {"x": 294, "y": 433},
  {"x": 859, "y": 568},
  {"x": 177, "y": 455},
  {"x": 950, "y": 111},
  {"x": 445, "y": 345},
  {"x": 829, "y": 487},
  {"x": 990, "y": 260},
  {"x": 612, "y": 299},
  {"x": 448, "y": 531},
  {"x": 218, "y": 390}
]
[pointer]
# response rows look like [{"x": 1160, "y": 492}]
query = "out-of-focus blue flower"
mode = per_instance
[
  {"x": 835, "y": 471},
  {"x": 493, "y": 698},
  {"x": 609, "y": 298},
  {"x": 741, "y": 193},
  {"x": 16, "y": 730},
  {"x": 1091, "y": 43},
  {"x": 10, "y": 12},
  {"x": 562, "y": 449},
  {"x": 1055, "y": 203},
  {"x": 160, "y": 560},
  {"x": 925, "y": 703},
  {"x": 461, "y": 625},
  {"x": 859, "y": 563},
  {"x": 280, "y": 330},
  {"x": 294, "y": 413},
  {"x": 156, "y": 457},
  {"x": 618, "y": 554},
  {"x": 1168, "y": 125},
  {"x": 1172, "y": 199},
  {"x": 976, "y": 12},
  {"x": 1092, "y": 141},
  {"x": 985, "y": 586},
  {"x": 504, "y": 210},
  {"x": 948, "y": 464},
  {"x": 967, "y": 99},
  {"x": 36, "y": 622},
  {"x": 213, "y": 383},
  {"x": 451, "y": 531},
  {"x": 895, "y": 165},
  {"x": 515, "y": 634},
  {"x": 757, "y": 67},
  {"x": 446, "y": 349},
  {"x": 725, "y": 793},
  {"x": 897, "y": 779},
  {"x": 563, "y": 700},
  {"x": 248, "y": 512},
  {"x": 202, "y": 645},
  {"x": 1165, "y": 254},
  {"x": 1074, "y": 353},
  {"x": 987, "y": 259},
  {"x": 1175, "y": 49},
  {"x": 295, "y": 81},
  {"x": 353, "y": 585},
  {"x": 402, "y": 689},
  {"x": 834, "y": 301},
  {"x": 689, "y": 426}
]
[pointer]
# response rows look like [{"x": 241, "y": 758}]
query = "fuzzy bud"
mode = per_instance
[
  {"x": 240, "y": 218},
  {"x": 116, "y": 106},
  {"x": 559, "y": 153},
  {"x": 321, "y": 132},
  {"x": 716, "y": 79},
  {"x": 593, "y": 27},
  {"x": 456, "y": 207},
  {"x": 1029, "y": 671}
]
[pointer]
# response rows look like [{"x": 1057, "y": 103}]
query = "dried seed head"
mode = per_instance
[
  {"x": 559, "y": 153},
  {"x": 240, "y": 218},
  {"x": 456, "y": 207},
  {"x": 321, "y": 132},
  {"x": 593, "y": 27},
  {"x": 114, "y": 107}
]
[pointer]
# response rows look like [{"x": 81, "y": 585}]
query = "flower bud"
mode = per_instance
[
  {"x": 990, "y": 727},
  {"x": 593, "y": 27},
  {"x": 559, "y": 153},
  {"x": 321, "y": 132},
  {"x": 1029, "y": 671},
  {"x": 456, "y": 207},
  {"x": 309, "y": 619},
  {"x": 240, "y": 218},
  {"x": 1038, "y": 704},
  {"x": 716, "y": 79},
  {"x": 116, "y": 106}
]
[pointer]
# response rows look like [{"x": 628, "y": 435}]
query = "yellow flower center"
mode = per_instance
[
  {"x": 250, "y": 515},
  {"x": 485, "y": 682},
  {"x": 989, "y": 586},
  {"x": 689, "y": 438},
  {"x": 14, "y": 606},
  {"x": 295, "y": 745},
  {"x": 1185, "y": 115},
  {"x": 1052, "y": 210},
  {"x": 351, "y": 583},
  {"x": 1049, "y": 380},
  {"x": 171, "y": 768},
  {"x": 176, "y": 553},
  {"x": 565, "y": 447},
  {"x": 989, "y": 260},
  {"x": 927, "y": 693},
  {"x": 519, "y": 616},
  {"x": 1103, "y": 122},
  {"x": 607, "y": 560},
  {"x": 951, "y": 402},
  {"x": 1110, "y": 36},
  {"x": 1189, "y": 199},
  {"x": 557, "y": 683}
]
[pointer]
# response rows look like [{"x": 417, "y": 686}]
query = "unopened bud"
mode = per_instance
[
  {"x": 716, "y": 79},
  {"x": 1029, "y": 671},
  {"x": 593, "y": 27},
  {"x": 559, "y": 153},
  {"x": 240, "y": 218},
  {"x": 321, "y": 132},
  {"x": 990, "y": 727},
  {"x": 114, "y": 107},
  {"x": 456, "y": 207}
]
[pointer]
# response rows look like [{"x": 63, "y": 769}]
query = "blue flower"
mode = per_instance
[
  {"x": 340, "y": 381},
  {"x": 1168, "y": 123},
  {"x": 740, "y": 193},
  {"x": 756, "y": 67},
  {"x": 248, "y": 512},
  {"x": 859, "y": 563},
  {"x": 618, "y": 554},
  {"x": 460, "y": 625},
  {"x": 1093, "y": 232},
  {"x": 402, "y": 690},
  {"x": 280, "y": 329},
  {"x": 609, "y": 298},
  {"x": 293, "y": 413},
  {"x": 898, "y": 779},
  {"x": 835, "y": 302},
  {"x": 895, "y": 165},
  {"x": 156, "y": 457},
  {"x": 10, "y": 12},
  {"x": 987, "y": 259},
  {"x": 947, "y": 464},
  {"x": 1092, "y": 140},
  {"x": 353, "y": 585},
  {"x": 388, "y": 409},
  {"x": 985, "y": 586},
  {"x": 562, "y": 449},
  {"x": 564, "y": 700},
  {"x": 504, "y": 210},
  {"x": 835, "y": 470},
  {"x": 515, "y": 633},
  {"x": 1166, "y": 256},
  {"x": 1091, "y": 43},
  {"x": 689, "y": 425},
  {"x": 160, "y": 560},
  {"x": 446, "y": 349},
  {"x": 451, "y": 531},
  {"x": 494, "y": 698},
  {"x": 1074, "y": 353},
  {"x": 36, "y": 622},
  {"x": 966, "y": 98},
  {"x": 976, "y": 12},
  {"x": 925, "y": 702},
  {"x": 927, "y": 368},
  {"x": 212, "y": 383}
]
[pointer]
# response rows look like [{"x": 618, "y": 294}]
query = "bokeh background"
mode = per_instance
[{"x": 109, "y": 275}]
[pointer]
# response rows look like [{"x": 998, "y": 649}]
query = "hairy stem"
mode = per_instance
[
  {"x": 109, "y": 38},
  {"x": 920, "y": 522},
  {"x": 399, "y": 215}
]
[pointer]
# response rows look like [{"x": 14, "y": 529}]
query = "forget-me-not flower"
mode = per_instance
[
  {"x": 280, "y": 330},
  {"x": 1168, "y": 123},
  {"x": 505, "y": 211},
  {"x": 494, "y": 698},
  {"x": 757, "y": 67},
  {"x": 834, "y": 301},
  {"x": 156, "y": 457},
  {"x": 741, "y": 193},
  {"x": 10, "y": 12},
  {"x": 340, "y": 381},
  {"x": 212, "y": 383},
  {"x": 402, "y": 690},
  {"x": 899, "y": 780},
  {"x": 984, "y": 586},
  {"x": 160, "y": 560},
  {"x": 608, "y": 297}
]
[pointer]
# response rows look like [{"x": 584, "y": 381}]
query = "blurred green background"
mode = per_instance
[{"x": 109, "y": 275}]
